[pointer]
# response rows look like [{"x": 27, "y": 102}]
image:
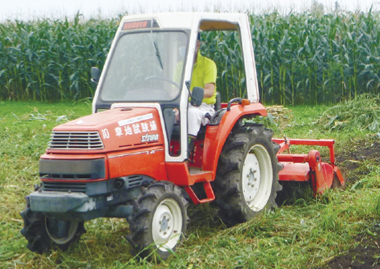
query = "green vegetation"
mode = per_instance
[
  {"x": 306, "y": 234},
  {"x": 306, "y": 58},
  {"x": 303, "y": 58},
  {"x": 51, "y": 59},
  {"x": 362, "y": 112}
]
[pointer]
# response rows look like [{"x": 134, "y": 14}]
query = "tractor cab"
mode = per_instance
[{"x": 150, "y": 65}]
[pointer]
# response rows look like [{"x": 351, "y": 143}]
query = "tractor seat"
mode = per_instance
[{"x": 202, "y": 130}]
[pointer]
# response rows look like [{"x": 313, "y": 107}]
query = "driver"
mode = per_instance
[{"x": 204, "y": 76}]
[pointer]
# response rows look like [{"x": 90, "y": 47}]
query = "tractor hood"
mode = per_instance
[{"x": 111, "y": 130}]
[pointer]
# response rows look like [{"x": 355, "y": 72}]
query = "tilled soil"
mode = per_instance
[
  {"x": 351, "y": 161},
  {"x": 365, "y": 255}
]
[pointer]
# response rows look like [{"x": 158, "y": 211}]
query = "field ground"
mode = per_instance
[
  {"x": 366, "y": 253},
  {"x": 341, "y": 229}
]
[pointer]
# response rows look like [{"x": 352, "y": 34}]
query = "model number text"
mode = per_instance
[{"x": 149, "y": 138}]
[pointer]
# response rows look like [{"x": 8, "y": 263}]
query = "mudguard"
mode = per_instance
[{"x": 216, "y": 135}]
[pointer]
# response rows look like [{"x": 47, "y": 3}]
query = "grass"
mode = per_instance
[
  {"x": 361, "y": 112},
  {"x": 306, "y": 234}
]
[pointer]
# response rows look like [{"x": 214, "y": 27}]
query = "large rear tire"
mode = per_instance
[
  {"x": 42, "y": 232},
  {"x": 247, "y": 176},
  {"x": 159, "y": 220}
]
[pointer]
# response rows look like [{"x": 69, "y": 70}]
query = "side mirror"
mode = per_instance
[
  {"x": 197, "y": 96},
  {"x": 95, "y": 75}
]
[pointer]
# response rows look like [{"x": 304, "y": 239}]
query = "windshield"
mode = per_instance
[{"x": 145, "y": 66}]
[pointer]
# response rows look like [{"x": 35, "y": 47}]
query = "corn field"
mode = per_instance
[
  {"x": 300, "y": 58},
  {"x": 51, "y": 60}
]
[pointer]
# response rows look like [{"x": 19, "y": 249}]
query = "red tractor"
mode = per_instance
[{"x": 129, "y": 159}]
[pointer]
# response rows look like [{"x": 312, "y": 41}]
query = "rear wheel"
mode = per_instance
[
  {"x": 41, "y": 232},
  {"x": 159, "y": 220},
  {"x": 247, "y": 175}
]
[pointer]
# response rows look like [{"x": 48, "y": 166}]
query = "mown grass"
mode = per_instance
[{"x": 306, "y": 234}]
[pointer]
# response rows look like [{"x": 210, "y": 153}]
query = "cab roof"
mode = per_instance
[{"x": 187, "y": 20}]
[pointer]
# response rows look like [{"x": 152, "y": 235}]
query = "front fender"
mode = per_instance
[{"x": 216, "y": 135}]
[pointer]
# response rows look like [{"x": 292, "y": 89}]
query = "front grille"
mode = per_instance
[
  {"x": 75, "y": 140},
  {"x": 64, "y": 187}
]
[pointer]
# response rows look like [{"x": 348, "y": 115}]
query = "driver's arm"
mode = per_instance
[
  {"x": 209, "y": 79},
  {"x": 209, "y": 90}
]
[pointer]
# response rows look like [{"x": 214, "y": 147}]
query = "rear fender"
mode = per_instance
[{"x": 216, "y": 135}]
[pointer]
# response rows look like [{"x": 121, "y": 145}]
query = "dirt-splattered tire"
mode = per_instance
[
  {"x": 42, "y": 232},
  {"x": 159, "y": 220},
  {"x": 247, "y": 176}
]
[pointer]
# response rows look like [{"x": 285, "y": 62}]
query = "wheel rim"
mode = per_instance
[
  {"x": 61, "y": 231},
  {"x": 167, "y": 224},
  {"x": 257, "y": 177}
]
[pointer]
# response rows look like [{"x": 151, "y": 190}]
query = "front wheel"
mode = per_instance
[
  {"x": 247, "y": 174},
  {"x": 159, "y": 220},
  {"x": 41, "y": 232}
]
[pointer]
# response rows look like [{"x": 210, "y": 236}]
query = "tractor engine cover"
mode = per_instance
[
  {"x": 112, "y": 130},
  {"x": 115, "y": 143}
]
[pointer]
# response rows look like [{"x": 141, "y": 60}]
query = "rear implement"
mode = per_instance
[{"x": 309, "y": 167}]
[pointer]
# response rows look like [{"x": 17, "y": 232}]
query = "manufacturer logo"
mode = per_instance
[{"x": 149, "y": 138}]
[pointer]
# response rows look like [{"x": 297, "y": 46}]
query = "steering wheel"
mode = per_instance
[{"x": 163, "y": 79}]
